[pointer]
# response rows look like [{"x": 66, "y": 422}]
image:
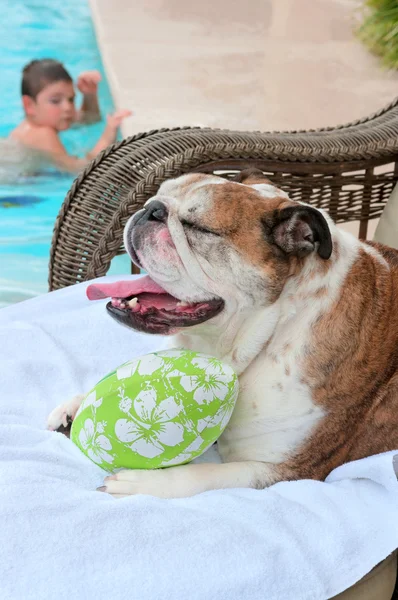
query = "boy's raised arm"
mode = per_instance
[
  {"x": 109, "y": 135},
  {"x": 87, "y": 83},
  {"x": 47, "y": 141}
]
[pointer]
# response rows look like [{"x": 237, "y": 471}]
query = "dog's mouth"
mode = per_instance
[{"x": 145, "y": 306}]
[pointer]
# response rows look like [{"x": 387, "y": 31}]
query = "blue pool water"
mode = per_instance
[{"x": 40, "y": 29}]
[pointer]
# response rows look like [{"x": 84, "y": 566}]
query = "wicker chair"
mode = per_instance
[{"x": 349, "y": 170}]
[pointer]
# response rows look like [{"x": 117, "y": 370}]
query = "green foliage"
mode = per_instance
[{"x": 379, "y": 30}]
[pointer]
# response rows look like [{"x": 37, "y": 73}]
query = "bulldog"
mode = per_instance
[{"x": 304, "y": 312}]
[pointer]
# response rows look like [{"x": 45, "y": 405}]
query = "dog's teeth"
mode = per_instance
[
  {"x": 182, "y": 303},
  {"x": 133, "y": 302},
  {"x": 116, "y": 302}
]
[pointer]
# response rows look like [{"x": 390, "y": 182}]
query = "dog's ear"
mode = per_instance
[
  {"x": 251, "y": 177},
  {"x": 298, "y": 231}
]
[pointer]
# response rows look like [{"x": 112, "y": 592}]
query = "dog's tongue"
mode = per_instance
[{"x": 123, "y": 289}]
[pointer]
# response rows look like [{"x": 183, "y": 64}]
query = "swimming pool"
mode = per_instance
[{"x": 40, "y": 29}]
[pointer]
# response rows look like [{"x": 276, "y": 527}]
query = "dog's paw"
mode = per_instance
[
  {"x": 175, "y": 482},
  {"x": 131, "y": 482},
  {"x": 63, "y": 415}
]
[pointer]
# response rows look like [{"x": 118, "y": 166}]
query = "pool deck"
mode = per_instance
[{"x": 282, "y": 64}]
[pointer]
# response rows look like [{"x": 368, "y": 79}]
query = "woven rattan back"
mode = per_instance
[{"x": 349, "y": 170}]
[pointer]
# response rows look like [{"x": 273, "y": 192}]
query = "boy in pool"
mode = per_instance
[{"x": 48, "y": 98}]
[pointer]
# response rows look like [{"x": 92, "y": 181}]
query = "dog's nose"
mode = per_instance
[
  {"x": 157, "y": 211},
  {"x": 154, "y": 211}
]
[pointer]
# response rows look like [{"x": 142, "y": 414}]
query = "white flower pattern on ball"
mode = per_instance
[
  {"x": 125, "y": 402},
  {"x": 208, "y": 385},
  {"x": 152, "y": 430},
  {"x": 208, "y": 364},
  {"x": 157, "y": 410},
  {"x": 101, "y": 426},
  {"x": 90, "y": 400},
  {"x": 96, "y": 445},
  {"x": 146, "y": 365},
  {"x": 222, "y": 416}
]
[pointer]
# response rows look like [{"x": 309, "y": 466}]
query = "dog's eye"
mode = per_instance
[{"x": 190, "y": 225}]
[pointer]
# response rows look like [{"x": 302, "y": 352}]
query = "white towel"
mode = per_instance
[{"x": 60, "y": 539}]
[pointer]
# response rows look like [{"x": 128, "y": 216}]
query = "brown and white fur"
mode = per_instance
[{"x": 312, "y": 337}]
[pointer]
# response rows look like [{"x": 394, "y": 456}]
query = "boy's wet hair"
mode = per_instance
[{"x": 40, "y": 73}]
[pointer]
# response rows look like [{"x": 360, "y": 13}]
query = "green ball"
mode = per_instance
[{"x": 158, "y": 410}]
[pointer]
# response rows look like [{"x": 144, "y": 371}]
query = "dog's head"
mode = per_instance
[{"x": 212, "y": 247}]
